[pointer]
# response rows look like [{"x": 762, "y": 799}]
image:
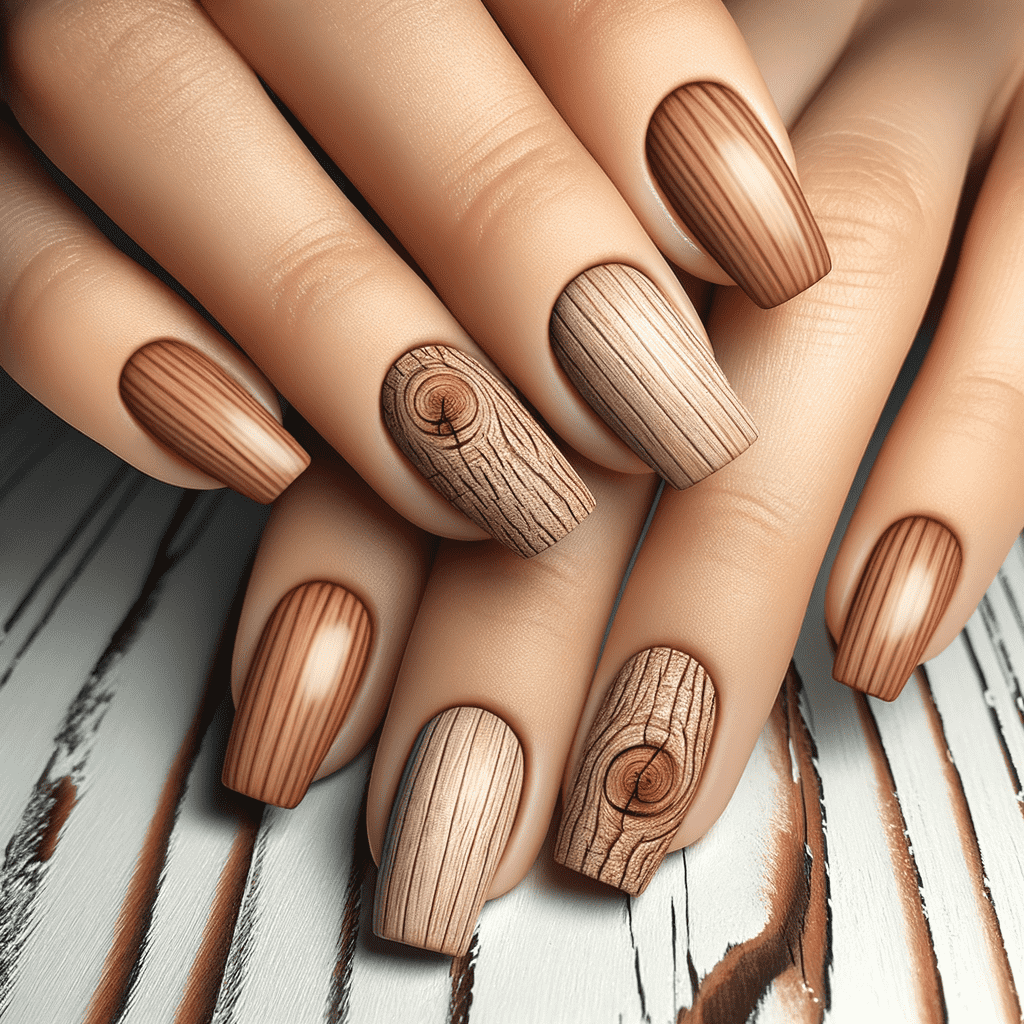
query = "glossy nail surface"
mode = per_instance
[
  {"x": 903, "y": 592},
  {"x": 731, "y": 188},
  {"x": 188, "y": 403},
  {"x": 644, "y": 756},
  {"x": 449, "y": 824},
  {"x": 648, "y": 374},
  {"x": 476, "y": 443},
  {"x": 305, "y": 672}
]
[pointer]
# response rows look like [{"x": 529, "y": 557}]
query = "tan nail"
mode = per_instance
[
  {"x": 449, "y": 824},
  {"x": 648, "y": 374},
  {"x": 188, "y": 403},
  {"x": 475, "y": 443},
  {"x": 903, "y": 592},
  {"x": 730, "y": 186},
  {"x": 300, "y": 685},
  {"x": 643, "y": 759}
]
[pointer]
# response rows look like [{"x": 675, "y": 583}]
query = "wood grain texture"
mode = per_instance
[
  {"x": 451, "y": 818},
  {"x": 730, "y": 186},
  {"x": 648, "y": 374},
  {"x": 904, "y": 590},
  {"x": 303, "y": 677},
  {"x": 188, "y": 403},
  {"x": 476, "y": 443},
  {"x": 643, "y": 760}
]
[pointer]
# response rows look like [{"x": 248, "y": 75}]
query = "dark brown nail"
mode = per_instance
[
  {"x": 903, "y": 592},
  {"x": 303, "y": 677},
  {"x": 648, "y": 374},
  {"x": 730, "y": 186},
  {"x": 476, "y": 444},
  {"x": 188, "y": 403},
  {"x": 644, "y": 757}
]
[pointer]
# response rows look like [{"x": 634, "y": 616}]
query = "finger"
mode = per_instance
[
  {"x": 669, "y": 101},
  {"x": 327, "y": 613},
  {"x": 727, "y": 568},
  {"x": 945, "y": 498},
  {"x": 484, "y": 709},
  {"x": 117, "y": 354},
  {"x": 509, "y": 217},
  {"x": 176, "y": 140}
]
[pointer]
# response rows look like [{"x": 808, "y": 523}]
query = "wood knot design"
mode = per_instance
[
  {"x": 641, "y": 780},
  {"x": 443, "y": 404}
]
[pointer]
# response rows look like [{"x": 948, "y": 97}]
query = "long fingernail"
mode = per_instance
[
  {"x": 903, "y": 592},
  {"x": 475, "y": 443},
  {"x": 188, "y": 403},
  {"x": 730, "y": 186},
  {"x": 648, "y": 374},
  {"x": 640, "y": 769},
  {"x": 300, "y": 685},
  {"x": 449, "y": 824}
]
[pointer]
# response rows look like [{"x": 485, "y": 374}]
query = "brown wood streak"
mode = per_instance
[
  {"x": 64, "y": 794},
  {"x": 463, "y": 975},
  {"x": 188, "y": 403},
  {"x": 647, "y": 374},
  {"x": 726, "y": 179},
  {"x": 793, "y": 950},
  {"x": 477, "y": 445}
]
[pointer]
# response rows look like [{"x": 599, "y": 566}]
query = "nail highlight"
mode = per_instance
[
  {"x": 449, "y": 824},
  {"x": 648, "y": 374},
  {"x": 639, "y": 772},
  {"x": 188, "y": 403},
  {"x": 305, "y": 672},
  {"x": 731, "y": 187},
  {"x": 475, "y": 443},
  {"x": 904, "y": 591}
]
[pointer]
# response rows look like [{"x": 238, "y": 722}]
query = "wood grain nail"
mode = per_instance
[
  {"x": 449, "y": 824},
  {"x": 644, "y": 756},
  {"x": 903, "y": 592},
  {"x": 188, "y": 403},
  {"x": 307, "y": 667},
  {"x": 731, "y": 187},
  {"x": 648, "y": 374},
  {"x": 476, "y": 443}
]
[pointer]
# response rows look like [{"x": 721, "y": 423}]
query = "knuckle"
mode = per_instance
[{"x": 986, "y": 407}]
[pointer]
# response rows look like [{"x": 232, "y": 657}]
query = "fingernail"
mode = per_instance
[
  {"x": 475, "y": 443},
  {"x": 648, "y": 374},
  {"x": 730, "y": 186},
  {"x": 188, "y": 403},
  {"x": 449, "y": 824},
  {"x": 640, "y": 769},
  {"x": 300, "y": 685},
  {"x": 903, "y": 592}
]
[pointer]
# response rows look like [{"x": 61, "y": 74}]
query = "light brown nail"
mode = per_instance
[
  {"x": 643, "y": 759},
  {"x": 475, "y": 443},
  {"x": 188, "y": 403},
  {"x": 449, "y": 824},
  {"x": 730, "y": 186},
  {"x": 648, "y": 374},
  {"x": 305, "y": 672},
  {"x": 903, "y": 592}
]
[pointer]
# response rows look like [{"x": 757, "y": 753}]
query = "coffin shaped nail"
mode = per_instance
[
  {"x": 305, "y": 672},
  {"x": 903, "y": 592},
  {"x": 648, "y": 374},
  {"x": 644, "y": 756},
  {"x": 449, "y": 824},
  {"x": 475, "y": 442},
  {"x": 730, "y": 186},
  {"x": 189, "y": 404}
]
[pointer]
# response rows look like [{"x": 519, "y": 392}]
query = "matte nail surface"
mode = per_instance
[
  {"x": 305, "y": 672},
  {"x": 476, "y": 443},
  {"x": 188, "y": 403},
  {"x": 648, "y": 374},
  {"x": 903, "y": 592},
  {"x": 449, "y": 824},
  {"x": 639, "y": 771},
  {"x": 730, "y": 186}
]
